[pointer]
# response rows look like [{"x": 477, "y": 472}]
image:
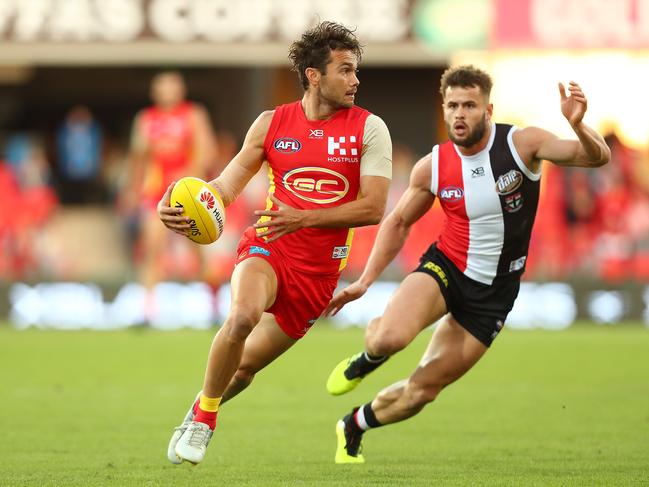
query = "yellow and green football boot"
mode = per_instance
[
  {"x": 348, "y": 447},
  {"x": 338, "y": 383}
]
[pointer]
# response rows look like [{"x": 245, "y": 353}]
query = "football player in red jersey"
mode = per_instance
[
  {"x": 171, "y": 138},
  {"x": 487, "y": 179},
  {"x": 329, "y": 167}
]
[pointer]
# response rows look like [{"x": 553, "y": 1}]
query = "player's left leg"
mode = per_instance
[
  {"x": 451, "y": 353},
  {"x": 416, "y": 304},
  {"x": 180, "y": 430},
  {"x": 254, "y": 289},
  {"x": 266, "y": 342}
]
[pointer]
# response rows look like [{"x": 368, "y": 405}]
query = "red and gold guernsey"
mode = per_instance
[
  {"x": 168, "y": 135},
  {"x": 314, "y": 164}
]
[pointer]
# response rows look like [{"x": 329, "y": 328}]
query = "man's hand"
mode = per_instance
[
  {"x": 574, "y": 106},
  {"x": 285, "y": 219},
  {"x": 352, "y": 292},
  {"x": 172, "y": 217}
]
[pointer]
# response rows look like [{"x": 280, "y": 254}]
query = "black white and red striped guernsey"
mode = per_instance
[{"x": 490, "y": 202}]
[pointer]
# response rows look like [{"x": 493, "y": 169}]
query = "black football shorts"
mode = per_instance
[{"x": 480, "y": 308}]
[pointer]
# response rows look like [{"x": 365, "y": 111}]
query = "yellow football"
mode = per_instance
[{"x": 203, "y": 205}]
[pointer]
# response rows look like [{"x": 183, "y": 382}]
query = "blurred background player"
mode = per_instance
[
  {"x": 170, "y": 139},
  {"x": 329, "y": 166},
  {"x": 487, "y": 178}
]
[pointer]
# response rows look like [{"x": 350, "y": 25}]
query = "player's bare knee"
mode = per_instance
[
  {"x": 240, "y": 324},
  {"x": 243, "y": 376},
  {"x": 385, "y": 342},
  {"x": 373, "y": 326}
]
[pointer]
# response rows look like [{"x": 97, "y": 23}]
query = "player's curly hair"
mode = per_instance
[
  {"x": 313, "y": 49},
  {"x": 466, "y": 76}
]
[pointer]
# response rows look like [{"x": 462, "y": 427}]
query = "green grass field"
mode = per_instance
[{"x": 542, "y": 408}]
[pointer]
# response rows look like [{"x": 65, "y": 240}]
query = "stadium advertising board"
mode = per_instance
[
  {"x": 195, "y": 20},
  {"x": 571, "y": 24},
  {"x": 70, "y": 305},
  {"x": 514, "y": 23},
  {"x": 198, "y": 32}
]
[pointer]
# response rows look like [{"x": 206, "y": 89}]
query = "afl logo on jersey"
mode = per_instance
[
  {"x": 509, "y": 182},
  {"x": 316, "y": 184},
  {"x": 451, "y": 194},
  {"x": 287, "y": 145}
]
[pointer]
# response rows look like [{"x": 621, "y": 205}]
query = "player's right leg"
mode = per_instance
[
  {"x": 253, "y": 290},
  {"x": 417, "y": 303},
  {"x": 266, "y": 342}
]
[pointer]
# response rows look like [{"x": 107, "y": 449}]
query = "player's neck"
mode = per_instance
[
  {"x": 479, "y": 146},
  {"x": 315, "y": 108}
]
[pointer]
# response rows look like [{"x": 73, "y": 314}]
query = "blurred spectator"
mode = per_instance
[
  {"x": 11, "y": 202},
  {"x": 548, "y": 256},
  {"x": 26, "y": 157},
  {"x": 594, "y": 224},
  {"x": 622, "y": 198},
  {"x": 28, "y": 203},
  {"x": 79, "y": 154}
]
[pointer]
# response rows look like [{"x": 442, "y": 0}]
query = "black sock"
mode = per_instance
[
  {"x": 351, "y": 424},
  {"x": 364, "y": 418},
  {"x": 363, "y": 365}
]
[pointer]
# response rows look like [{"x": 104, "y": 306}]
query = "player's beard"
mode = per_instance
[
  {"x": 339, "y": 103},
  {"x": 346, "y": 104},
  {"x": 335, "y": 101},
  {"x": 474, "y": 136}
]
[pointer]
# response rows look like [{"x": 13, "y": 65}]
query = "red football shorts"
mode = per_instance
[{"x": 301, "y": 297}]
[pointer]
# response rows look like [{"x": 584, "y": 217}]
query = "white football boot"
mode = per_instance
[
  {"x": 178, "y": 432},
  {"x": 193, "y": 443}
]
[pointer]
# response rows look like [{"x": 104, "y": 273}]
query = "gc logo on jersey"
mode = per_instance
[
  {"x": 287, "y": 145},
  {"x": 451, "y": 194},
  {"x": 316, "y": 184}
]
